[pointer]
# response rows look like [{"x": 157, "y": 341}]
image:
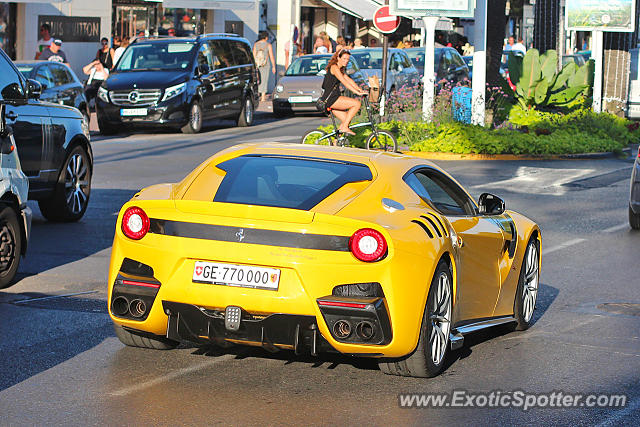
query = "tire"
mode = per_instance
[
  {"x": 384, "y": 141},
  {"x": 634, "y": 219},
  {"x": 10, "y": 245},
  {"x": 527, "y": 290},
  {"x": 312, "y": 137},
  {"x": 71, "y": 195},
  {"x": 143, "y": 340},
  {"x": 106, "y": 129},
  {"x": 430, "y": 355},
  {"x": 245, "y": 118},
  {"x": 194, "y": 125}
]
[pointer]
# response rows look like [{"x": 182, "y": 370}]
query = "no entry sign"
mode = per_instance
[{"x": 384, "y": 21}]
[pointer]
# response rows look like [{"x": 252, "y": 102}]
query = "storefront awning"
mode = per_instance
[
  {"x": 211, "y": 4},
  {"x": 363, "y": 9}
]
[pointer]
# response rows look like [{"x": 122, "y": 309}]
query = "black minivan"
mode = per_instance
[{"x": 180, "y": 83}]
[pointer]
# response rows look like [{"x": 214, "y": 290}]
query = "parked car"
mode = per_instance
[
  {"x": 315, "y": 248},
  {"x": 15, "y": 215},
  {"x": 400, "y": 69},
  {"x": 634, "y": 197},
  {"x": 60, "y": 84},
  {"x": 301, "y": 85},
  {"x": 468, "y": 59},
  {"x": 576, "y": 58},
  {"x": 53, "y": 145},
  {"x": 448, "y": 64},
  {"x": 180, "y": 83}
]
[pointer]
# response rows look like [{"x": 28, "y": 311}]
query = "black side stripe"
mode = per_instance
[
  {"x": 254, "y": 236},
  {"x": 444, "y": 229},
  {"x": 433, "y": 224},
  {"x": 424, "y": 227}
]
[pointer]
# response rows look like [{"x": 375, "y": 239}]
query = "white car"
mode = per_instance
[{"x": 15, "y": 215}]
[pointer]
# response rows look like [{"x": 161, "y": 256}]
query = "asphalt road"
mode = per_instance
[{"x": 61, "y": 364}]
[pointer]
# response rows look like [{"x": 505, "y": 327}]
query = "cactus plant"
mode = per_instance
[{"x": 539, "y": 84}]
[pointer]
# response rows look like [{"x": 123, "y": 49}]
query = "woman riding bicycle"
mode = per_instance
[{"x": 343, "y": 107}]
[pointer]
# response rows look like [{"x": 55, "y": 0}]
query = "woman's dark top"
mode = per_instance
[
  {"x": 330, "y": 86},
  {"x": 105, "y": 58}
]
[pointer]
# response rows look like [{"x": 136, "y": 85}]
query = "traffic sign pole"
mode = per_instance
[{"x": 385, "y": 23}]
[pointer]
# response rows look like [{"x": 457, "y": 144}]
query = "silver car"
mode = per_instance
[
  {"x": 301, "y": 85},
  {"x": 15, "y": 215},
  {"x": 634, "y": 197},
  {"x": 400, "y": 70}
]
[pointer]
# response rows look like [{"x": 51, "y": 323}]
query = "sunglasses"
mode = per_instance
[{"x": 104, "y": 42}]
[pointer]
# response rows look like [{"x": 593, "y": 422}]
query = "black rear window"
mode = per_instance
[{"x": 284, "y": 181}]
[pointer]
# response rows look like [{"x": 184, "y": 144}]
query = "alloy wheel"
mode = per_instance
[
  {"x": 248, "y": 111},
  {"x": 76, "y": 183},
  {"x": 531, "y": 277},
  {"x": 440, "y": 319}
]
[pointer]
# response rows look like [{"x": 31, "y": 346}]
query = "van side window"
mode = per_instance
[
  {"x": 241, "y": 53},
  {"x": 222, "y": 51},
  {"x": 204, "y": 56}
]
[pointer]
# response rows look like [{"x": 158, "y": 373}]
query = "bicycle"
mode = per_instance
[{"x": 378, "y": 140}]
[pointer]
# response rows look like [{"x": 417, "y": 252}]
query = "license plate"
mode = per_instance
[
  {"x": 133, "y": 112},
  {"x": 244, "y": 276},
  {"x": 300, "y": 99}
]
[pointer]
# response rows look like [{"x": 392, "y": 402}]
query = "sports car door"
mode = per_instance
[{"x": 479, "y": 243}]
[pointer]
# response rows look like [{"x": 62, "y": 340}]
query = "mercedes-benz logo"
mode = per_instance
[
  {"x": 134, "y": 96},
  {"x": 240, "y": 235}
]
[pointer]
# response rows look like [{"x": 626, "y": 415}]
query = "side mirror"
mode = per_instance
[
  {"x": 34, "y": 89},
  {"x": 488, "y": 204},
  {"x": 203, "y": 69}
]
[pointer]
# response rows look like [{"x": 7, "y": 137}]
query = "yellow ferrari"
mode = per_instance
[{"x": 313, "y": 249}]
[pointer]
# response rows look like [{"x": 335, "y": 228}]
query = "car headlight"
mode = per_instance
[
  {"x": 103, "y": 94},
  {"x": 279, "y": 88},
  {"x": 172, "y": 91}
]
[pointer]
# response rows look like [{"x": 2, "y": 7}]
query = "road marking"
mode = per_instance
[
  {"x": 614, "y": 419},
  {"x": 616, "y": 228},
  {"x": 24, "y": 301},
  {"x": 548, "y": 181},
  {"x": 172, "y": 375},
  {"x": 562, "y": 246}
]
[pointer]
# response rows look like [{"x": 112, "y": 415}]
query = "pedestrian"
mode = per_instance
[
  {"x": 520, "y": 46},
  {"x": 105, "y": 54},
  {"x": 373, "y": 42},
  {"x": 357, "y": 44},
  {"x": 263, "y": 53},
  {"x": 291, "y": 49},
  {"x": 124, "y": 42},
  {"x": 340, "y": 43},
  {"x": 319, "y": 46},
  {"x": 510, "y": 42},
  {"x": 97, "y": 74},
  {"x": 343, "y": 107},
  {"x": 54, "y": 53},
  {"x": 328, "y": 42},
  {"x": 45, "y": 39},
  {"x": 171, "y": 32}
]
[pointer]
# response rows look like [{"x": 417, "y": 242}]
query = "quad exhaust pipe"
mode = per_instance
[
  {"x": 121, "y": 306},
  {"x": 342, "y": 329},
  {"x": 364, "y": 330}
]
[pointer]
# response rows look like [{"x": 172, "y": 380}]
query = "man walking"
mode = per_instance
[
  {"x": 54, "y": 53},
  {"x": 45, "y": 40}
]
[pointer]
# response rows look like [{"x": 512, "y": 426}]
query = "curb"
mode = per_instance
[{"x": 512, "y": 157}]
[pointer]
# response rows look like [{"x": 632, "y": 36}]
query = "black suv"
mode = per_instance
[
  {"x": 180, "y": 83},
  {"x": 53, "y": 145}
]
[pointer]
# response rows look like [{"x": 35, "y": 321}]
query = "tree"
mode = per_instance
[
  {"x": 547, "y": 21},
  {"x": 496, "y": 22}
]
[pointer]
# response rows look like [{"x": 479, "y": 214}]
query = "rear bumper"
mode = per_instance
[
  {"x": 26, "y": 215},
  {"x": 277, "y": 331},
  {"x": 284, "y": 105}
]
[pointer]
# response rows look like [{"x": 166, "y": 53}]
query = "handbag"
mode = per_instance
[{"x": 321, "y": 104}]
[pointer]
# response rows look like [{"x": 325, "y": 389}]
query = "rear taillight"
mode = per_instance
[
  {"x": 135, "y": 223},
  {"x": 368, "y": 245}
]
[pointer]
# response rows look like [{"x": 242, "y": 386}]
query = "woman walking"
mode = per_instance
[
  {"x": 105, "y": 54},
  {"x": 343, "y": 107},
  {"x": 263, "y": 52}
]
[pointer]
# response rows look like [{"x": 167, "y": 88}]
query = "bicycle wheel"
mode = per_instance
[
  {"x": 384, "y": 141},
  {"x": 313, "y": 136}
]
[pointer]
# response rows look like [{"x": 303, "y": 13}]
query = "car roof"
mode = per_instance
[
  {"x": 36, "y": 62},
  {"x": 190, "y": 39}
]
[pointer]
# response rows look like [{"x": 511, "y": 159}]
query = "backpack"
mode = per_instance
[{"x": 261, "y": 58}]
